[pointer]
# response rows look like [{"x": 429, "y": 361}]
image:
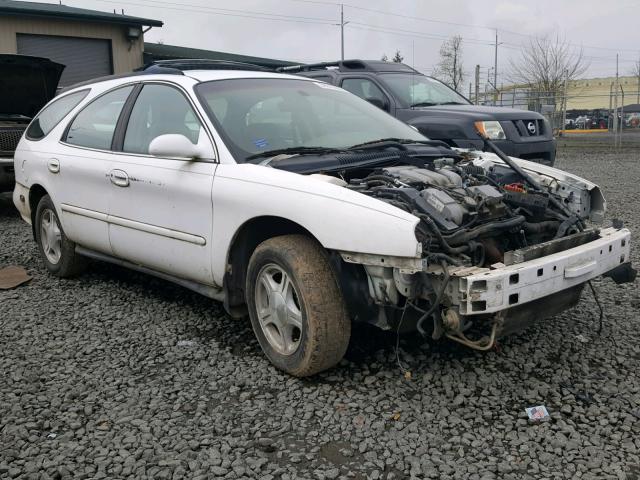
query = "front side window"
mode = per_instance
[
  {"x": 255, "y": 115},
  {"x": 160, "y": 110},
  {"x": 94, "y": 126},
  {"x": 418, "y": 90},
  {"x": 51, "y": 115}
]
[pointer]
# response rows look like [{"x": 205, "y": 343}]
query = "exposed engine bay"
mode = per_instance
[
  {"x": 501, "y": 247},
  {"x": 473, "y": 211}
]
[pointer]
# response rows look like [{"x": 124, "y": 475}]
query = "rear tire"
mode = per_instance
[
  {"x": 296, "y": 306},
  {"x": 57, "y": 251}
]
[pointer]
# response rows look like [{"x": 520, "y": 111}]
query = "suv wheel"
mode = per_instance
[
  {"x": 56, "y": 250},
  {"x": 296, "y": 307}
]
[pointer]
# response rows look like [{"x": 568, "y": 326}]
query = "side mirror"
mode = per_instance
[
  {"x": 175, "y": 145},
  {"x": 378, "y": 102}
]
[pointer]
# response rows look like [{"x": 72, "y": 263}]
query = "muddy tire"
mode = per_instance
[
  {"x": 296, "y": 307},
  {"x": 57, "y": 251}
]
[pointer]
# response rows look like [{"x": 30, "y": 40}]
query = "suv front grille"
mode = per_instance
[
  {"x": 9, "y": 138},
  {"x": 529, "y": 128}
]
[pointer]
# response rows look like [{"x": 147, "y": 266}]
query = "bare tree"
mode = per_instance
[
  {"x": 398, "y": 57},
  {"x": 449, "y": 69},
  {"x": 545, "y": 63},
  {"x": 384, "y": 57}
]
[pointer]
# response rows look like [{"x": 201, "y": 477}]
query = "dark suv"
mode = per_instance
[{"x": 436, "y": 110}]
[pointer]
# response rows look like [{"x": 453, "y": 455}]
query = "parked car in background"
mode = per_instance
[
  {"x": 436, "y": 110},
  {"x": 26, "y": 85},
  {"x": 307, "y": 208}
]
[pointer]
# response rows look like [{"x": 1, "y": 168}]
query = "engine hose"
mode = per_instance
[
  {"x": 540, "y": 227},
  {"x": 444, "y": 257},
  {"x": 445, "y": 245},
  {"x": 493, "y": 227},
  {"x": 529, "y": 179},
  {"x": 381, "y": 178},
  {"x": 436, "y": 302}
]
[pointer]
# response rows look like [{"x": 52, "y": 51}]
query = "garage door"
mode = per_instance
[{"x": 85, "y": 58}]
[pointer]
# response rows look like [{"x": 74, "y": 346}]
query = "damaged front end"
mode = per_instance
[{"x": 505, "y": 243}]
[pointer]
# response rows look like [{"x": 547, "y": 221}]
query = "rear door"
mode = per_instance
[
  {"x": 80, "y": 170},
  {"x": 160, "y": 211}
]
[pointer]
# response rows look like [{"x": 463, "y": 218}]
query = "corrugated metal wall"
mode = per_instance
[
  {"x": 84, "y": 58},
  {"x": 126, "y": 55}
]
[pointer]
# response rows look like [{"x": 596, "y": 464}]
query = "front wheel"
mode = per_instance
[
  {"x": 296, "y": 306},
  {"x": 56, "y": 250}
]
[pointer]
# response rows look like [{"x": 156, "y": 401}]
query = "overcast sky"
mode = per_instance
[{"x": 228, "y": 25}]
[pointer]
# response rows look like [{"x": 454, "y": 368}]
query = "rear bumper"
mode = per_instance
[
  {"x": 493, "y": 291},
  {"x": 7, "y": 175},
  {"x": 21, "y": 201}
]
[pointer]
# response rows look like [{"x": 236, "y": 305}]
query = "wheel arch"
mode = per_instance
[
  {"x": 36, "y": 192},
  {"x": 248, "y": 236}
]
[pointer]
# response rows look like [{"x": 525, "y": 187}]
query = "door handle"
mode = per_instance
[
  {"x": 53, "y": 165},
  {"x": 119, "y": 178}
]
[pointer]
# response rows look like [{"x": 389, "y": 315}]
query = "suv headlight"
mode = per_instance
[{"x": 491, "y": 130}]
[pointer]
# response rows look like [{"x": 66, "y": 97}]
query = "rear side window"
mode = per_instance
[
  {"x": 51, "y": 115},
  {"x": 94, "y": 126}
]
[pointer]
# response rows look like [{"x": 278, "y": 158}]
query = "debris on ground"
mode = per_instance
[
  {"x": 538, "y": 414},
  {"x": 12, "y": 277}
]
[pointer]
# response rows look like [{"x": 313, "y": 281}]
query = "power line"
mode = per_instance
[
  {"x": 378, "y": 28},
  {"x": 227, "y": 12},
  {"x": 444, "y": 22}
]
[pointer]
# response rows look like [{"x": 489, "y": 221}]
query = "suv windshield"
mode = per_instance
[
  {"x": 418, "y": 90},
  {"x": 256, "y": 115}
]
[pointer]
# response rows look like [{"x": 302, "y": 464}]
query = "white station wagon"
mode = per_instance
[{"x": 306, "y": 208}]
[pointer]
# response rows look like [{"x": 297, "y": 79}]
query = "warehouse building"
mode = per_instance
[{"x": 90, "y": 43}]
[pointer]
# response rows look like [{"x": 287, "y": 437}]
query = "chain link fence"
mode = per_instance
[{"x": 575, "y": 111}]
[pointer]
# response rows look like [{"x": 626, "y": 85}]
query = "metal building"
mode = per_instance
[{"x": 90, "y": 43}]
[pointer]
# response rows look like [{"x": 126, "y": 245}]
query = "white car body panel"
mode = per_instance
[{"x": 339, "y": 218}]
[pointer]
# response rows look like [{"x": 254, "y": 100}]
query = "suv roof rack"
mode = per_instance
[
  {"x": 350, "y": 65},
  {"x": 177, "y": 66}
]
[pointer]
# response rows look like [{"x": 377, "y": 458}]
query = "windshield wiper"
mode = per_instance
[
  {"x": 451, "y": 103},
  {"x": 424, "y": 104},
  {"x": 389, "y": 142},
  {"x": 293, "y": 151}
]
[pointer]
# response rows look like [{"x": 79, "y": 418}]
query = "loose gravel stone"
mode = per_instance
[{"x": 116, "y": 374}]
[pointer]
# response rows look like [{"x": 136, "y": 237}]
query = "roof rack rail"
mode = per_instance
[
  {"x": 179, "y": 65},
  {"x": 341, "y": 64}
]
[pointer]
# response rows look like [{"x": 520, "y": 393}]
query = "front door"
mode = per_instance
[{"x": 160, "y": 211}]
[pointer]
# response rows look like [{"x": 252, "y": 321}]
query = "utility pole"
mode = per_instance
[
  {"x": 564, "y": 109},
  {"x": 638, "y": 90},
  {"x": 342, "y": 24},
  {"x": 615, "y": 103},
  {"x": 495, "y": 66},
  {"x": 477, "y": 84}
]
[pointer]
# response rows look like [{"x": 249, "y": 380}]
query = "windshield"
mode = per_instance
[
  {"x": 412, "y": 89},
  {"x": 257, "y": 115}
]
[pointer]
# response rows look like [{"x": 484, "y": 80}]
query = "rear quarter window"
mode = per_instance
[{"x": 52, "y": 114}]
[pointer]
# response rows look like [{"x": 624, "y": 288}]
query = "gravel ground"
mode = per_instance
[{"x": 117, "y": 374}]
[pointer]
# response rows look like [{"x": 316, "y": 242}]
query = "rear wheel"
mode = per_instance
[
  {"x": 296, "y": 307},
  {"x": 56, "y": 250}
]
